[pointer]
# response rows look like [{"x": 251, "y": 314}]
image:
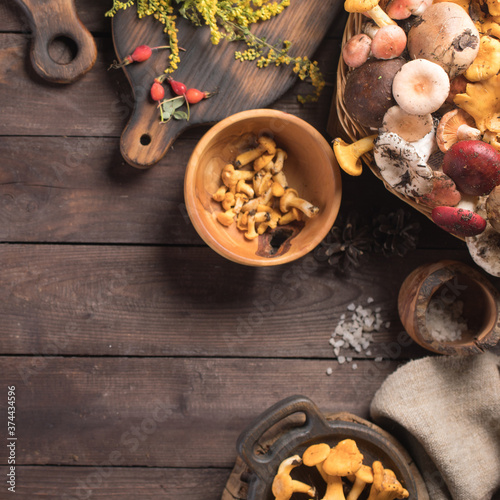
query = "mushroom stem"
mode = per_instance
[
  {"x": 290, "y": 199},
  {"x": 349, "y": 155},
  {"x": 466, "y": 133}
]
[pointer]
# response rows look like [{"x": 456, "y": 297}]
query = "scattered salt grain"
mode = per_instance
[
  {"x": 355, "y": 331},
  {"x": 329, "y": 371},
  {"x": 378, "y": 359}
]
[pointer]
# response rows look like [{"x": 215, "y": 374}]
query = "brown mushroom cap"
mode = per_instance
[
  {"x": 368, "y": 91},
  {"x": 445, "y": 34}
]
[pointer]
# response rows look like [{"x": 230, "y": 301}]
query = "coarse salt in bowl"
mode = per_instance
[{"x": 310, "y": 168}]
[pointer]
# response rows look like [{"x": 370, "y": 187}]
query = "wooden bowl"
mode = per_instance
[
  {"x": 310, "y": 168},
  {"x": 448, "y": 281}
]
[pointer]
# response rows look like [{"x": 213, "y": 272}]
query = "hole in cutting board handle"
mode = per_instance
[
  {"x": 145, "y": 139},
  {"x": 63, "y": 49}
]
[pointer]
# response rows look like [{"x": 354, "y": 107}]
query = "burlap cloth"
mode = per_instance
[{"x": 446, "y": 410}]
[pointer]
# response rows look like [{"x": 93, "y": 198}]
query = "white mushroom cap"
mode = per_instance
[
  {"x": 401, "y": 165},
  {"x": 485, "y": 250},
  {"x": 421, "y": 86},
  {"x": 410, "y": 127}
]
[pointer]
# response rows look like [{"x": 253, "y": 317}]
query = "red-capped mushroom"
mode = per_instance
[
  {"x": 474, "y": 166},
  {"x": 388, "y": 42},
  {"x": 403, "y": 9},
  {"x": 458, "y": 221},
  {"x": 444, "y": 192},
  {"x": 357, "y": 49}
]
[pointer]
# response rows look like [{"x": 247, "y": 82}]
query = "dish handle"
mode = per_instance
[{"x": 265, "y": 464}]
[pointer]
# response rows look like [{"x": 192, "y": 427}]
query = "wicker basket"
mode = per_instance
[{"x": 353, "y": 130}]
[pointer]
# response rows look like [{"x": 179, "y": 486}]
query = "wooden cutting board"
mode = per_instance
[
  {"x": 62, "y": 49},
  {"x": 208, "y": 67}
]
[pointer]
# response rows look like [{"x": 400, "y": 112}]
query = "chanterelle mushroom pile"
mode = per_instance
[
  {"x": 344, "y": 475},
  {"x": 436, "y": 139},
  {"x": 255, "y": 194}
]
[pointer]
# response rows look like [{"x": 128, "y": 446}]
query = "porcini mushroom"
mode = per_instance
[
  {"x": 362, "y": 477},
  {"x": 401, "y": 165},
  {"x": 349, "y": 155},
  {"x": 385, "y": 485},
  {"x": 458, "y": 221},
  {"x": 420, "y": 87},
  {"x": 474, "y": 166},
  {"x": 444, "y": 34},
  {"x": 315, "y": 455},
  {"x": 264, "y": 144},
  {"x": 370, "y": 8},
  {"x": 290, "y": 199},
  {"x": 368, "y": 91},
  {"x": 356, "y": 50},
  {"x": 455, "y": 125},
  {"x": 485, "y": 250},
  {"x": 284, "y": 486}
]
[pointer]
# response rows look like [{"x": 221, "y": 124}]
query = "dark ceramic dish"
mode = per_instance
[{"x": 315, "y": 429}]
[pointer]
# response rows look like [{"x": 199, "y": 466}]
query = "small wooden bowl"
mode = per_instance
[
  {"x": 310, "y": 168},
  {"x": 448, "y": 281}
]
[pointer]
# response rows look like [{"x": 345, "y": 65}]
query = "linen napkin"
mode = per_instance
[{"x": 446, "y": 411}]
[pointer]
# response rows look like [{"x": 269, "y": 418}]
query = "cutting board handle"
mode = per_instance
[
  {"x": 265, "y": 465},
  {"x": 57, "y": 20}
]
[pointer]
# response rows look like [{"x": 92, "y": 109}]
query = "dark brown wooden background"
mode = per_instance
[{"x": 138, "y": 354}]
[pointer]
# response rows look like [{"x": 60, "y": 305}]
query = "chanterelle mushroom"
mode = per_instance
[
  {"x": 265, "y": 144},
  {"x": 363, "y": 476},
  {"x": 385, "y": 484},
  {"x": 349, "y": 155},
  {"x": 401, "y": 166},
  {"x": 290, "y": 199},
  {"x": 284, "y": 486},
  {"x": 344, "y": 459},
  {"x": 315, "y": 455},
  {"x": 487, "y": 62},
  {"x": 371, "y": 8},
  {"x": 482, "y": 101}
]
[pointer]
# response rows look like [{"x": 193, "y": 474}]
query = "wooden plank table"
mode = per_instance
[{"x": 138, "y": 354}]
